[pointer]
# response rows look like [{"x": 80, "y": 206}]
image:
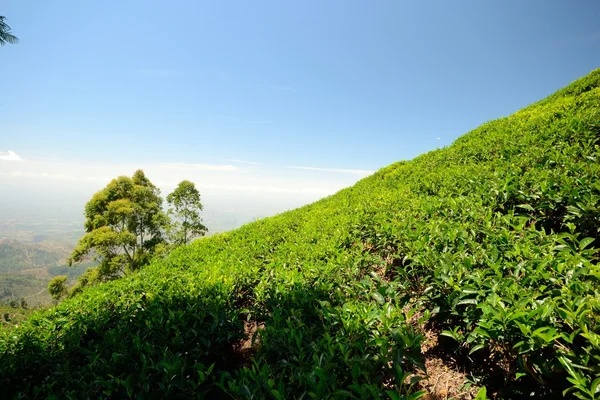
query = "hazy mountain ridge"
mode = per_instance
[
  {"x": 26, "y": 268},
  {"x": 18, "y": 256}
]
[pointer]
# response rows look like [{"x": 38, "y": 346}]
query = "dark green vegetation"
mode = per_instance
[
  {"x": 57, "y": 287},
  {"x": 484, "y": 254},
  {"x": 6, "y": 35}
]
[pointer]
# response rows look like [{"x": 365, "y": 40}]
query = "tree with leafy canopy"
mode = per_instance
[
  {"x": 124, "y": 223},
  {"x": 57, "y": 287},
  {"x": 185, "y": 212},
  {"x": 5, "y": 33}
]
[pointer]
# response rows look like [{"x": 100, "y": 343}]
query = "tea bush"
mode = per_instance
[{"x": 491, "y": 243}]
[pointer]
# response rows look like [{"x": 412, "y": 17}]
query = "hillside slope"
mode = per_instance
[
  {"x": 16, "y": 256},
  {"x": 479, "y": 259},
  {"x": 26, "y": 268}
]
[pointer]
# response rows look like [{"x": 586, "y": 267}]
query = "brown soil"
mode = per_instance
[
  {"x": 444, "y": 379},
  {"x": 246, "y": 347}
]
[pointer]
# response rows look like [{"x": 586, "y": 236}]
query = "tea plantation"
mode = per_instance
[{"x": 478, "y": 261}]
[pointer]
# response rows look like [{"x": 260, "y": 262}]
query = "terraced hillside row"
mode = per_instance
[{"x": 469, "y": 270}]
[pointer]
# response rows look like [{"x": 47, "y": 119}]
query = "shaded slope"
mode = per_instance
[
  {"x": 490, "y": 245},
  {"x": 16, "y": 256}
]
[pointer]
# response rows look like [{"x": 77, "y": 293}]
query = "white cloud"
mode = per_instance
[
  {"x": 232, "y": 192},
  {"x": 244, "y": 162},
  {"x": 21, "y": 174},
  {"x": 339, "y": 170},
  {"x": 200, "y": 167},
  {"x": 271, "y": 189},
  {"x": 248, "y": 189},
  {"x": 10, "y": 156}
]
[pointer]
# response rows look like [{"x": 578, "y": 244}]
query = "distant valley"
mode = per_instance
[
  {"x": 26, "y": 268},
  {"x": 34, "y": 246}
]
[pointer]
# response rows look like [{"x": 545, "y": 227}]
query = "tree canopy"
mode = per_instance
[
  {"x": 57, "y": 287},
  {"x": 185, "y": 210},
  {"x": 5, "y": 33},
  {"x": 126, "y": 226},
  {"x": 124, "y": 223}
]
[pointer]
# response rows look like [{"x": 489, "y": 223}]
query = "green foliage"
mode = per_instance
[
  {"x": 13, "y": 314},
  {"x": 124, "y": 223},
  {"x": 186, "y": 223},
  {"x": 57, "y": 287},
  {"x": 492, "y": 242},
  {"x": 5, "y": 33}
]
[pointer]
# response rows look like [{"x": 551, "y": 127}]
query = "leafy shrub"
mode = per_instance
[{"x": 492, "y": 241}]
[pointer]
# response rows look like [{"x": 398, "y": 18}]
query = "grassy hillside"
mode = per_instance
[{"x": 474, "y": 266}]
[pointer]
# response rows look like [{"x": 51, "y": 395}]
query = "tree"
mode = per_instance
[
  {"x": 124, "y": 223},
  {"x": 57, "y": 287},
  {"x": 185, "y": 213},
  {"x": 5, "y": 35},
  {"x": 90, "y": 276}
]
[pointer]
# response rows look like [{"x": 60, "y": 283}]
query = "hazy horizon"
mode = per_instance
[{"x": 232, "y": 193}]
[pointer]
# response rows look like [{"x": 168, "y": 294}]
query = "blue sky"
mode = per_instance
[{"x": 342, "y": 85}]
